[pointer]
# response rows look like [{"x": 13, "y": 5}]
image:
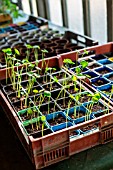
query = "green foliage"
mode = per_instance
[
  {"x": 84, "y": 64},
  {"x": 8, "y": 51},
  {"x": 35, "y": 91},
  {"x": 96, "y": 97},
  {"x": 74, "y": 78},
  {"x": 43, "y": 118},
  {"x": 77, "y": 70},
  {"x": 47, "y": 94},
  {"x": 6, "y": 7},
  {"x": 55, "y": 79},
  {"x": 68, "y": 61},
  {"x": 29, "y": 46},
  {"x": 29, "y": 111}
]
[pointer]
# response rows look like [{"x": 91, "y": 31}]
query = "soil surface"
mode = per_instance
[
  {"x": 105, "y": 71},
  {"x": 99, "y": 83},
  {"x": 57, "y": 120},
  {"x": 78, "y": 114},
  {"x": 63, "y": 103},
  {"x": 93, "y": 66}
]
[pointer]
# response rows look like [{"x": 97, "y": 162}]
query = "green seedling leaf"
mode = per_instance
[
  {"x": 74, "y": 78},
  {"x": 55, "y": 79},
  {"x": 97, "y": 95},
  {"x": 25, "y": 61},
  {"x": 84, "y": 63},
  {"x": 36, "y": 75},
  {"x": 87, "y": 76},
  {"x": 17, "y": 52},
  {"x": 35, "y": 91},
  {"x": 77, "y": 70},
  {"x": 40, "y": 91},
  {"x": 33, "y": 79},
  {"x": 68, "y": 61},
  {"x": 77, "y": 97},
  {"x": 66, "y": 87},
  {"x": 112, "y": 89},
  {"x": 71, "y": 96},
  {"x": 43, "y": 118},
  {"x": 17, "y": 64},
  {"x": 44, "y": 51},
  {"x": 29, "y": 46},
  {"x": 48, "y": 69},
  {"x": 30, "y": 74},
  {"x": 29, "y": 111},
  {"x": 76, "y": 89},
  {"x": 94, "y": 99},
  {"x": 86, "y": 52},
  {"x": 8, "y": 51},
  {"x": 54, "y": 69},
  {"x": 47, "y": 94},
  {"x": 36, "y": 46},
  {"x": 31, "y": 65}
]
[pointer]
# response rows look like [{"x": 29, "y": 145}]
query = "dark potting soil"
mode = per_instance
[
  {"x": 105, "y": 71},
  {"x": 57, "y": 120},
  {"x": 99, "y": 83},
  {"x": 97, "y": 107},
  {"x": 35, "y": 127},
  {"x": 111, "y": 77},
  {"x": 18, "y": 107},
  {"x": 63, "y": 103},
  {"x": 61, "y": 75},
  {"x": 84, "y": 98},
  {"x": 39, "y": 100},
  {"x": 4, "y": 83},
  {"x": 51, "y": 86},
  {"x": 74, "y": 89},
  {"x": 78, "y": 114},
  {"x": 9, "y": 89},
  {"x": 95, "y": 65},
  {"x": 14, "y": 99},
  {"x": 89, "y": 127},
  {"x": 26, "y": 116},
  {"x": 52, "y": 109},
  {"x": 88, "y": 60},
  {"x": 74, "y": 133},
  {"x": 44, "y": 80}
]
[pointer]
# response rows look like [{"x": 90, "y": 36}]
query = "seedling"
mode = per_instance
[
  {"x": 8, "y": 53},
  {"x": 36, "y": 48},
  {"x": 29, "y": 47},
  {"x": 68, "y": 62},
  {"x": 95, "y": 98},
  {"x": 43, "y": 55},
  {"x": 35, "y": 91},
  {"x": 25, "y": 62},
  {"x": 43, "y": 119},
  {"x": 48, "y": 94}
]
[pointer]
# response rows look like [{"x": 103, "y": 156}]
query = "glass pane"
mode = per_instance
[
  {"x": 75, "y": 15},
  {"x": 98, "y": 20},
  {"x": 34, "y": 8},
  {"x": 55, "y": 11},
  {"x": 25, "y": 6}
]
